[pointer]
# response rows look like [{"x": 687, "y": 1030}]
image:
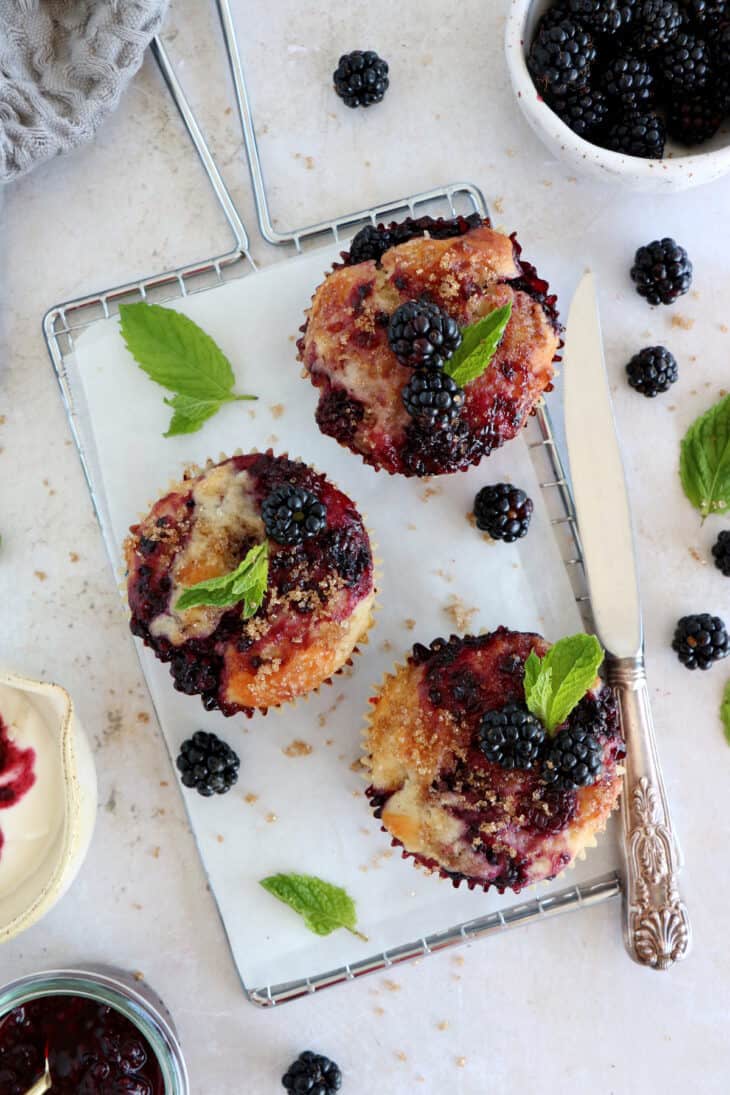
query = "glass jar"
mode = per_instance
[{"x": 131, "y": 998}]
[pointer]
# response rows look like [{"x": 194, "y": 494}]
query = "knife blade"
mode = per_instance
[
  {"x": 599, "y": 484},
  {"x": 657, "y": 930}
]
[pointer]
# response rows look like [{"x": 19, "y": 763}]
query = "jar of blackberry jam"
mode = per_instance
[{"x": 104, "y": 1034}]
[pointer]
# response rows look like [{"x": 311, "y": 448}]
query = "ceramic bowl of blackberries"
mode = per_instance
[{"x": 631, "y": 91}]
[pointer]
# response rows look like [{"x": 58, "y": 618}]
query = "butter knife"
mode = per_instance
[{"x": 656, "y": 925}]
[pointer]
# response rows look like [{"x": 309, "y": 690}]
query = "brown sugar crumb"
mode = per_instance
[
  {"x": 379, "y": 1011},
  {"x": 138, "y": 975},
  {"x": 443, "y": 1025},
  {"x": 400, "y": 1055},
  {"x": 155, "y": 853},
  {"x": 40, "y": 575},
  {"x": 430, "y": 492},
  {"x": 697, "y": 556},
  {"x": 142, "y": 716},
  {"x": 683, "y": 321},
  {"x": 472, "y": 520},
  {"x": 277, "y": 410},
  {"x": 297, "y": 748},
  {"x": 271, "y": 817},
  {"x": 409, "y": 624},
  {"x": 220, "y": 838},
  {"x": 443, "y": 574},
  {"x": 164, "y": 783},
  {"x": 460, "y": 613},
  {"x": 458, "y": 960},
  {"x": 460, "y": 1062},
  {"x": 391, "y": 986},
  {"x": 73, "y": 556},
  {"x": 356, "y": 765},
  {"x": 250, "y": 798}
]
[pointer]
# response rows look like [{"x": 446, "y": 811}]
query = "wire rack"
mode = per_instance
[{"x": 65, "y": 321}]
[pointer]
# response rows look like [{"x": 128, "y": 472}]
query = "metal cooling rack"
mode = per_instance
[{"x": 63, "y": 322}]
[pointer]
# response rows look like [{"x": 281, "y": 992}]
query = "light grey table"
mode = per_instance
[{"x": 556, "y": 1007}]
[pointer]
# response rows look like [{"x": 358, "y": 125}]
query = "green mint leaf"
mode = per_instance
[
  {"x": 556, "y": 683},
  {"x": 246, "y": 583},
  {"x": 478, "y": 346},
  {"x": 704, "y": 462},
  {"x": 725, "y": 712},
  {"x": 324, "y": 907},
  {"x": 190, "y": 413}
]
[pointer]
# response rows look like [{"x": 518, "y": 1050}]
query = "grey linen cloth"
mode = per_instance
[{"x": 63, "y": 67}]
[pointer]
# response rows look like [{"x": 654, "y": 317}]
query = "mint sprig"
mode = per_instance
[
  {"x": 246, "y": 583},
  {"x": 704, "y": 462},
  {"x": 324, "y": 907},
  {"x": 725, "y": 712},
  {"x": 555, "y": 684},
  {"x": 479, "y": 344},
  {"x": 180, "y": 356}
]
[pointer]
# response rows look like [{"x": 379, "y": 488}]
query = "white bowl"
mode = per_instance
[
  {"x": 60, "y": 823},
  {"x": 677, "y": 171}
]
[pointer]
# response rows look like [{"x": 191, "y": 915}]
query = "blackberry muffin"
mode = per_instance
[
  {"x": 316, "y": 599},
  {"x": 426, "y": 281},
  {"x": 466, "y": 779}
]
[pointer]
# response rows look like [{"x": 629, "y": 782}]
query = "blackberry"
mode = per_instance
[
  {"x": 638, "y": 134},
  {"x": 656, "y": 23},
  {"x": 312, "y": 1074},
  {"x": 685, "y": 63},
  {"x": 432, "y": 396},
  {"x": 629, "y": 80},
  {"x": 721, "y": 553},
  {"x": 511, "y": 736},
  {"x": 561, "y": 57},
  {"x": 503, "y": 511},
  {"x": 692, "y": 120},
  {"x": 709, "y": 13},
  {"x": 573, "y": 759},
  {"x": 421, "y": 334},
  {"x": 558, "y": 13},
  {"x": 207, "y": 764},
  {"x": 602, "y": 16},
  {"x": 369, "y": 243},
  {"x": 292, "y": 514},
  {"x": 361, "y": 78},
  {"x": 585, "y": 112},
  {"x": 700, "y": 641},
  {"x": 662, "y": 271},
  {"x": 652, "y": 370},
  {"x": 721, "y": 48}
]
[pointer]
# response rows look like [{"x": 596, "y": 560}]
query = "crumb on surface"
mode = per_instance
[
  {"x": 429, "y": 492},
  {"x": 461, "y": 1062},
  {"x": 697, "y": 556},
  {"x": 401, "y": 1055},
  {"x": 386, "y": 645},
  {"x": 685, "y": 322},
  {"x": 498, "y": 205},
  {"x": 391, "y": 986},
  {"x": 277, "y": 410},
  {"x": 378, "y": 1010},
  {"x": 271, "y": 817},
  {"x": 443, "y": 1025},
  {"x": 409, "y": 624},
  {"x": 220, "y": 838},
  {"x": 460, "y": 613},
  {"x": 250, "y": 798},
  {"x": 40, "y": 575},
  {"x": 73, "y": 556},
  {"x": 138, "y": 975},
  {"x": 142, "y": 716},
  {"x": 297, "y": 748}
]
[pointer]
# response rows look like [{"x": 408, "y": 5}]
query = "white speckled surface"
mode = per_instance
[{"x": 555, "y": 1008}]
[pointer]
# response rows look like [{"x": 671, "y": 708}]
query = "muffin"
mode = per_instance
[
  {"x": 463, "y": 269},
  {"x": 317, "y": 601},
  {"x": 508, "y": 821}
]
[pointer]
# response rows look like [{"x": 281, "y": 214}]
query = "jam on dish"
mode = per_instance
[
  {"x": 92, "y": 1050},
  {"x": 450, "y": 792},
  {"x": 459, "y": 271},
  {"x": 17, "y": 774}
]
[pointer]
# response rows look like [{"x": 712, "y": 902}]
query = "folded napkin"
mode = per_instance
[{"x": 63, "y": 66}]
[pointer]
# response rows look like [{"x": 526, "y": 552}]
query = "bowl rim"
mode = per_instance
[
  {"x": 75, "y": 841},
  {"x": 532, "y": 101}
]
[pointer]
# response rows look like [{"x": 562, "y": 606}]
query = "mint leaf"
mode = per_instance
[
  {"x": 179, "y": 356},
  {"x": 478, "y": 346},
  {"x": 246, "y": 583},
  {"x": 556, "y": 683},
  {"x": 725, "y": 711},
  {"x": 704, "y": 462},
  {"x": 323, "y": 906}
]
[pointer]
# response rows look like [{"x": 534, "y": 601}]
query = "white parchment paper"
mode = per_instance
[{"x": 308, "y": 813}]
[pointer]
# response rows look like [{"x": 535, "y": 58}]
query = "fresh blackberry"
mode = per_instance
[
  {"x": 720, "y": 46},
  {"x": 629, "y": 81},
  {"x": 652, "y": 370},
  {"x": 709, "y": 14},
  {"x": 638, "y": 134},
  {"x": 432, "y": 396},
  {"x": 685, "y": 64},
  {"x": 312, "y": 1074},
  {"x": 292, "y": 514},
  {"x": 361, "y": 78},
  {"x": 561, "y": 57},
  {"x": 573, "y": 759},
  {"x": 700, "y": 641},
  {"x": 721, "y": 553},
  {"x": 586, "y": 111},
  {"x": 422, "y": 334},
  {"x": 503, "y": 511},
  {"x": 602, "y": 16},
  {"x": 656, "y": 23},
  {"x": 511, "y": 736},
  {"x": 662, "y": 271},
  {"x": 555, "y": 14},
  {"x": 207, "y": 764},
  {"x": 694, "y": 119},
  {"x": 369, "y": 243}
]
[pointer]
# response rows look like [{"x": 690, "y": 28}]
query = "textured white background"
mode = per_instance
[{"x": 556, "y": 1007}]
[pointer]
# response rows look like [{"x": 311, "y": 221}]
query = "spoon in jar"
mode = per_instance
[{"x": 45, "y": 1083}]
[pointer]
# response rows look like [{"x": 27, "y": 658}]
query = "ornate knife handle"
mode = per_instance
[{"x": 656, "y": 925}]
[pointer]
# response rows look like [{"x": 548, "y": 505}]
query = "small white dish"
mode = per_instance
[
  {"x": 679, "y": 170},
  {"x": 46, "y": 843}
]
